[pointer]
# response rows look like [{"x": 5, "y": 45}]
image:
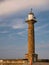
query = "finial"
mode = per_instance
[{"x": 31, "y": 10}]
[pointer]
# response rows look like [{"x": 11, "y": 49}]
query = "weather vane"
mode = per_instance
[{"x": 31, "y": 9}]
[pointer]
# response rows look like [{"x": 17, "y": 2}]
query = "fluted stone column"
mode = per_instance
[{"x": 31, "y": 44}]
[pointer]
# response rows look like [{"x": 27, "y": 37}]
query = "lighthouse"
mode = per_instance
[{"x": 31, "y": 56}]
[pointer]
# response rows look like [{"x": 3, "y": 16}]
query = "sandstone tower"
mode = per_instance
[{"x": 31, "y": 41}]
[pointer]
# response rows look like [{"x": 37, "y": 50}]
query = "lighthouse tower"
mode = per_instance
[{"x": 31, "y": 40}]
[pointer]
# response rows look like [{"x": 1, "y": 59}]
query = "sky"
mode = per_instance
[{"x": 14, "y": 30}]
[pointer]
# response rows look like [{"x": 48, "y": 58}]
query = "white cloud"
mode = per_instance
[
  {"x": 20, "y": 33},
  {"x": 10, "y": 6},
  {"x": 19, "y": 24},
  {"x": 15, "y": 23}
]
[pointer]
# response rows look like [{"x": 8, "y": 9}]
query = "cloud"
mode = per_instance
[
  {"x": 2, "y": 0},
  {"x": 19, "y": 26},
  {"x": 23, "y": 33},
  {"x": 10, "y": 6},
  {"x": 45, "y": 32},
  {"x": 41, "y": 27},
  {"x": 20, "y": 33},
  {"x": 4, "y": 32},
  {"x": 17, "y": 23}
]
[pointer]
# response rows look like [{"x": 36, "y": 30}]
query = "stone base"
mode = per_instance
[{"x": 33, "y": 56}]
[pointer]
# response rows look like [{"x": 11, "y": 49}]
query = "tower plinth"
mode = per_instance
[{"x": 31, "y": 41}]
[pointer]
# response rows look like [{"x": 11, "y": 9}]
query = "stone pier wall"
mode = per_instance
[
  {"x": 14, "y": 62},
  {"x": 20, "y": 62}
]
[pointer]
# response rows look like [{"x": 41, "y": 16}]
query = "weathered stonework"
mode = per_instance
[{"x": 31, "y": 46}]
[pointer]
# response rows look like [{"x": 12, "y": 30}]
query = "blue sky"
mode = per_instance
[{"x": 13, "y": 29}]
